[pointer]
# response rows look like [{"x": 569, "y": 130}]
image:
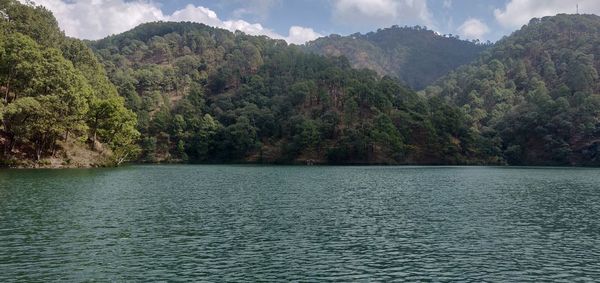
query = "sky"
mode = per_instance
[{"x": 299, "y": 21}]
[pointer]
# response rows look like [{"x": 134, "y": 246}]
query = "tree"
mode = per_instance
[
  {"x": 309, "y": 136},
  {"x": 20, "y": 66},
  {"x": 53, "y": 88},
  {"x": 15, "y": 120},
  {"x": 105, "y": 117}
]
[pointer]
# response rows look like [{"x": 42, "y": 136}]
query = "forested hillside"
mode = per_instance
[
  {"x": 58, "y": 107},
  {"x": 208, "y": 95},
  {"x": 415, "y": 55},
  {"x": 536, "y": 93},
  {"x": 187, "y": 92}
]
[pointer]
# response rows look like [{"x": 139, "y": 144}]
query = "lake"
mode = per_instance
[{"x": 294, "y": 223}]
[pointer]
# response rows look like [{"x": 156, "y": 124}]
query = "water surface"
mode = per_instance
[{"x": 262, "y": 223}]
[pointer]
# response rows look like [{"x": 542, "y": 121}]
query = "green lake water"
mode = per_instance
[{"x": 267, "y": 223}]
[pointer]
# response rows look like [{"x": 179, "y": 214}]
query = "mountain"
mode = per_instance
[
  {"x": 204, "y": 94},
  {"x": 186, "y": 92},
  {"x": 535, "y": 94},
  {"x": 415, "y": 55},
  {"x": 58, "y": 107}
]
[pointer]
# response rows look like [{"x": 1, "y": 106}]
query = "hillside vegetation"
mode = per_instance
[
  {"x": 187, "y": 92},
  {"x": 415, "y": 55},
  {"x": 208, "y": 95},
  {"x": 58, "y": 107},
  {"x": 536, "y": 93}
]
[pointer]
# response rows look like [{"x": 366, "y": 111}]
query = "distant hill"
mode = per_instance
[
  {"x": 415, "y": 55},
  {"x": 536, "y": 93},
  {"x": 204, "y": 94}
]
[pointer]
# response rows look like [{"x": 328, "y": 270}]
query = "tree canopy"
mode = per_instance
[
  {"x": 187, "y": 92},
  {"x": 209, "y": 95},
  {"x": 535, "y": 94},
  {"x": 54, "y": 89}
]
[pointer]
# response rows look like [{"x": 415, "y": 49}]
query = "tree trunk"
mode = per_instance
[
  {"x": 39, "y": 147},
  {"x": 94, "y": 133},
  {"x": 54, "y": 150},
  {"x": 38, "y": 152},
  {"x": 122, "y": 159},
  {"x": 8, "y": 146}
]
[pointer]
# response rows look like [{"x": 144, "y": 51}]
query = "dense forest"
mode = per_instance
[
  {"x": 187, "y": 92},
  {"x": 208, "y": 95},
  {"x": 536, "y": 93},
  {"x": 57, "y": 106},
  {"x": 415, "y": 55}
]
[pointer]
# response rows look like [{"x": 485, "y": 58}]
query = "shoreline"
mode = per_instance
[{"x": 67, "y": 167}]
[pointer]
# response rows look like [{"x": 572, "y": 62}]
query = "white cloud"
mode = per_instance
[
  {"x": 95, "y": 19},
  {"x": 518, "y": 12},
  {"x": 252, "y": 29},
  {"x": 98, "y": 18},
  {"x": 473, "y": 29},
  {"x": 299, "y": 35},
  {"x": 192, "y": 13},
  {"x": 381, "y": 12}
]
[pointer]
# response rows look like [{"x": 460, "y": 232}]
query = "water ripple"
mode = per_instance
[{"x": 256, "y": 223}]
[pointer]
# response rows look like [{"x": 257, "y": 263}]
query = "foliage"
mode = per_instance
[
  {"x": 535, "y": 93},
  {"x": 53, "y": 88},
  {"x": 208, "y": 95},
  {"x": 187, "y": 92}
]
